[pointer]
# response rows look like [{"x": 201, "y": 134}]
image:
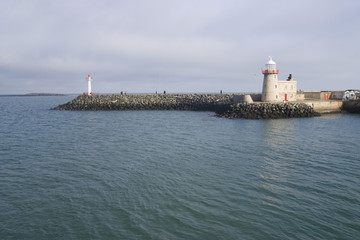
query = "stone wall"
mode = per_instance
[
  {"x": 312, "y": 95},
  {"x": 323, "y": 95},
  {"x": 330, "y": 106},
  {"x": 337, "y": 95},
  {"x": 256, "y": 97}
]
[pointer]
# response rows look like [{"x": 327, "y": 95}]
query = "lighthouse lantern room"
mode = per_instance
[{"x": 89, "y": 79}]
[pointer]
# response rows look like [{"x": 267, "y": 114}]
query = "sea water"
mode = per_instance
[{"x": 175, "y": 175}]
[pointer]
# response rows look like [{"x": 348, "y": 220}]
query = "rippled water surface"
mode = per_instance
[{"x": 174, "y": 175}]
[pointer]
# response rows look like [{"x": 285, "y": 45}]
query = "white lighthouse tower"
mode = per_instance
[
  {"x": 89, "y": 79},
  {"x": 270, "y": 84},
  {"x": 275, "y": 90}
]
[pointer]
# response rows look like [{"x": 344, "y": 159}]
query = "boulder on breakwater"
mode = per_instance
[
  {"x": 268, "y": 111},
  {"x": 222, "y": 104}
]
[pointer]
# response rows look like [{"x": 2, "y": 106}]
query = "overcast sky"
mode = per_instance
[{"x": 176, "y": 45}]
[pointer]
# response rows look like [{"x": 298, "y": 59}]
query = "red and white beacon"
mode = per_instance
[{"x": 89, "y": 79}]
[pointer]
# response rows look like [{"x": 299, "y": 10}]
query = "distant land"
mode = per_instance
[
  {"x": 32, "y": 95},
  {"x": 44, "y": 94}
]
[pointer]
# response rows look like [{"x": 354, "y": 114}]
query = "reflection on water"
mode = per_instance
[
  {"x": 279, "y": 148},
  {"x": 331, "y": 116},
  {"x": 279, "y": 132}
]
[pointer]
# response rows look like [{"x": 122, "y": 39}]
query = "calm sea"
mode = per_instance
[{"x": 174, "y": 175}]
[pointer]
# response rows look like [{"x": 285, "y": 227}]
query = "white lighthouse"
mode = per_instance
[
  {"x": 269, "y": 92},
  {"x": 274, "y": 90},
  {"x": 89, "y": 79}
]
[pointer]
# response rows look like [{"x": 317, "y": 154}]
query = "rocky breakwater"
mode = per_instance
[
  {"x": 351, "y": 106},
  {"x": 195, "y": 102},
  {"x": 222, "y": 104},
  {"x": 268, "y": 111}
]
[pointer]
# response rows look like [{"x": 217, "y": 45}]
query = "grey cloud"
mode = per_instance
[{"x": 193, "y": 46}]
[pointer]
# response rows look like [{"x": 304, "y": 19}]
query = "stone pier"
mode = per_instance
[{"x": 224, "y": 105}]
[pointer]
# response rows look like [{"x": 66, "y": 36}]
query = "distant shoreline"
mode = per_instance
[
  {"x": 33, "y": 95},
  {"x": 45, "y": 94}
]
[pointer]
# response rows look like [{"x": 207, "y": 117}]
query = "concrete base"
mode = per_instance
[
  {"x": 243, "y": 99},
  {"x": 325, "y": 106}
]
